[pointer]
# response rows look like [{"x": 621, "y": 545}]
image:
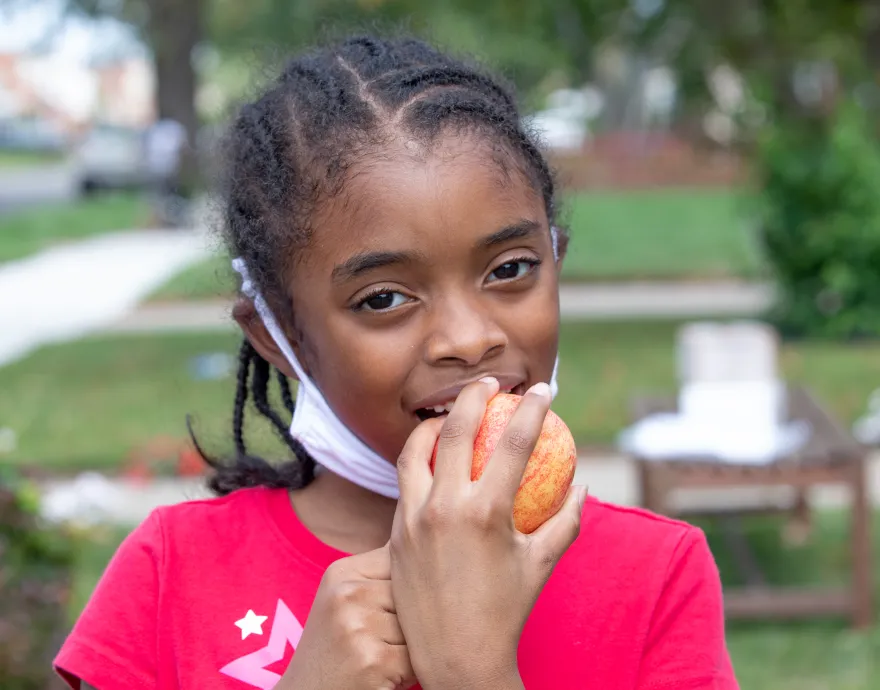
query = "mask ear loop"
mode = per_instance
[{"x": 249, "y": 290}]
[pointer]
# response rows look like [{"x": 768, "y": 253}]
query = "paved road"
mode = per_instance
[{"x": 23, "y": 187}]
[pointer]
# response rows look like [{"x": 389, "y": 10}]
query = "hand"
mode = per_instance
[
  {"x": 352, "y": 638},
  {"x": 464, "y": 579}
]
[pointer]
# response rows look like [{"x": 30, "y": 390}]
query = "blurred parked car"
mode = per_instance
[
  {"x": 30, "y": 134},
  {"x": 111, "y": 157}
]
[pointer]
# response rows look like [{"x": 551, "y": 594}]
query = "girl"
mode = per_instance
[{"x": 386, "y": 204}]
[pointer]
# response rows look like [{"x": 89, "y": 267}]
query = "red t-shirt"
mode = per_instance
[{"x": 213, "y": 594}]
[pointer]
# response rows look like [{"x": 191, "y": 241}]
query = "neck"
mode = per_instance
[{"x": 344, "y": 515}]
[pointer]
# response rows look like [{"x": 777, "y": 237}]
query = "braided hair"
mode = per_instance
[{"x": 292, "y": 150}]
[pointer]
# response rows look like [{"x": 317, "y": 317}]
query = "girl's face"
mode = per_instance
[{"x": 425, "y": 274}]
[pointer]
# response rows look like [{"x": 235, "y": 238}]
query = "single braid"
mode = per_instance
[
  {"x": 286, "y": 396},
  {"x": 245, "y": 355}
]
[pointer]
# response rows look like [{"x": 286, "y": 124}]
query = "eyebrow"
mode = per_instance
[
  {"x": 368, "y": 261},
  {"x": 516, "y": 231},
  {"x": 361, "y": 263}
]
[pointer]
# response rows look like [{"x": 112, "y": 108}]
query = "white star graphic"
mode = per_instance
[{"x": 251, "y": 623}]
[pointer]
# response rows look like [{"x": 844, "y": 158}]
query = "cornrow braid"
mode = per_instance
[{"x": 294, "y": 148}]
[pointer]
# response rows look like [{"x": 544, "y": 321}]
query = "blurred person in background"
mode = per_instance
[{"x": 164, "y": 147}]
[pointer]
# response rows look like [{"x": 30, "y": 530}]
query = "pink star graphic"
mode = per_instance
[{"x": 251, "y": 668}]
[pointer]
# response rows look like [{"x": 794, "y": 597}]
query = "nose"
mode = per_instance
[{"x": 463, "y": 332}]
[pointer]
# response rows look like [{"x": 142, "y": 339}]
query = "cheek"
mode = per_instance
[
  {"x": 542, "y": 344},
  {"x": 364, "y": 364},
  {"x": 362, "y": 376},
  {"x": 533, "y": 328}
]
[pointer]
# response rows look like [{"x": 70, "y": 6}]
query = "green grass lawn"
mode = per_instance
[
  {"x": 29, "y": 231},
  {"x": 603, "y": 364},
  {"x": 86, "y": 404},
  {"x": 207, "y": 279},
  {"x": 661, "y": 235},
  {"x": 820, "y": 655},
  {"x": 26, "y": 159}
]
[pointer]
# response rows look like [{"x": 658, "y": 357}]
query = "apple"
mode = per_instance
[{"x": 550, "y": 469}]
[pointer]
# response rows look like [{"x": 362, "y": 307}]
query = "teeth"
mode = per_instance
[
  {"x": 444, "y": 409},
  {"x": 441, "y": 409}
]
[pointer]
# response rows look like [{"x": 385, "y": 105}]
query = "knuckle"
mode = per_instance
[
  {"x": 451, "y": 433},
  {"x": 333, "y": 574},
  {"x": 518, "y": 442},
  {"x": 369, "y": 658},
  {"x": 486, "y": 515},
  {"x": 543, "y": 558},
  {"x": 438, "y": 513},
  {"x": 379, "y": 662},
  {"x": 352, "y": 626},
  {"x": 405, "y": 460},
  {"x": 346, "y": 594},
  {"x": 387, "y": 658},
  {"x": 547, "y": 562}
]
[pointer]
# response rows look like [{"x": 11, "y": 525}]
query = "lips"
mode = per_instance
[{"x": 440, "y": 403}]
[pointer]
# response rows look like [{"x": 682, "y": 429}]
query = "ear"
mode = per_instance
[{"x": 245, "y": 314}]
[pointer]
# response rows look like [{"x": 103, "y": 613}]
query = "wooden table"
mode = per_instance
[{"x": 831, "y": 456}]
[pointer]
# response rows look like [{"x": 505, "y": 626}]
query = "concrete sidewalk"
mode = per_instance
[
  {"x": 610, "y": 478},
  {"x": 584, "y": 302},
  {"x": 73, "y": 289}
]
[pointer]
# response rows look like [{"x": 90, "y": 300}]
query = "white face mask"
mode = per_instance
[{"x": 331, "y": 444}]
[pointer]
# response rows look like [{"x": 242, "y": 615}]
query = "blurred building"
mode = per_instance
[
  {"x": 43, "y": 88},
  {"x": 125, "y": 92},
  {"x": 69, "y": 96}
]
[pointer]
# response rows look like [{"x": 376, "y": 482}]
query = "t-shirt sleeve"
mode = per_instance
[
  {"x": 685, "y": 648},
  {"x": 113, "y": 645}
]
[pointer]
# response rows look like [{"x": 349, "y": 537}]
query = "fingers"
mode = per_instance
[
  {"x": 553, "y": 538},
  {"x": 387, "y": 626},
  {"x": 504, "y": 471},
  {"x": 414, "y": 463},
  {"x": 402, "y": 666},
  {"x": 455, "y": 450}
]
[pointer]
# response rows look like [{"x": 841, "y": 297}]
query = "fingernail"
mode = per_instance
[
  {"x": 582, "y": 497},
  {"x": 542, "y": 389},
  {"x": 490, "y": 381}
]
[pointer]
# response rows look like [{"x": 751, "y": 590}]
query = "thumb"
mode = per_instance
[
  {"x": 559, "y": 532},
  {"x": 373, "y": 565}
]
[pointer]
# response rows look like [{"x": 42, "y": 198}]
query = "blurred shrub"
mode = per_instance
[
  {"x": 819, "y": 216},
  {"x": 35, "y": 569}
]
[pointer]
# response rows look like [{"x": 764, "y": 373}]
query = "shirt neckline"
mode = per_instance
[{"x": 285, "y": 519}]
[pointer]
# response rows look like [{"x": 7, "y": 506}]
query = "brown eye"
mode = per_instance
[
  {"x": 511, "y": 270},
  {"x": 382, "y": 301}
]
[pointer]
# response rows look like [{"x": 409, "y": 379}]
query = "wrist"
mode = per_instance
[{"x": 480, "y": 675}]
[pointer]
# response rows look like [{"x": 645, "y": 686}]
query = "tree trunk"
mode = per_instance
[{"x": 175, "y": 29}]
